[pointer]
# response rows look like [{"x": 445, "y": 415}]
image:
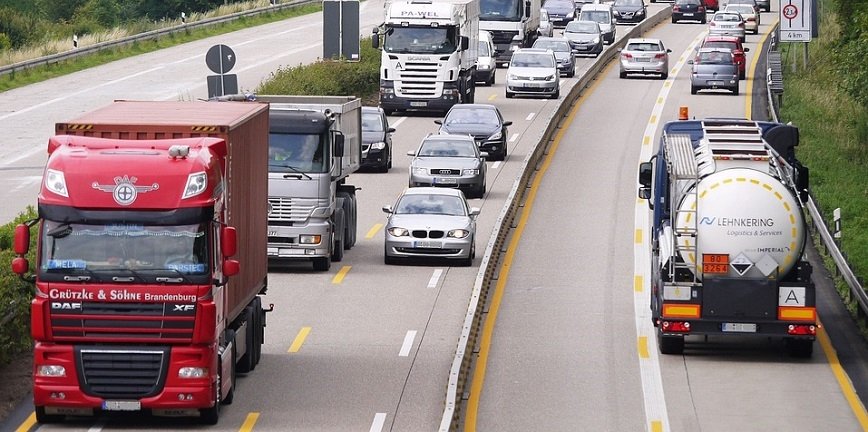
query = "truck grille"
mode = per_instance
[
  {"x": 130, "y": 373},
  {"x": 418, "y": 79},
  {"x": 290, "y": 209},
  {"x": 158, "y": 322}
]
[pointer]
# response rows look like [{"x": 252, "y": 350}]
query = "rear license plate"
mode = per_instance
[
  {"x": 715, "y": 83},
  {"x": 418, "y": 104},
  {"x": 111, "y": 405},
  {"x": 738, "y": 327},
  {"x": 688, "y": 14},
  {"x": 438, "y": 180},
  {"x": 643, "y": 59},
  {"x": 428, "y": 244}
]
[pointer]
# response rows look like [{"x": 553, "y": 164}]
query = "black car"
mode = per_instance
[
  {"x": 629, "y": 11},
  {"x": 691, "y": 10},
  {"x": 560, "y": 11},
  {"x": 482, "y": 121},
  {"x": 376, "y": 139}
]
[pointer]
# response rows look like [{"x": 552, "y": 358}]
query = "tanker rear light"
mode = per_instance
[
  {"x": 683, "y": 113},
  {"x": 681, "y": 310},
  {"x": 715, "y": 263},
  {"x": 675, "y": 326},
  {"x": 802, "y": 330},
  {"x": 789, "y": 313}
]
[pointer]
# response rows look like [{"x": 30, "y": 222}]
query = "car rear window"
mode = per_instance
[
  {"x": 715, "y": 57},
  {"x": 643, "y": 47},
  {"x": 721, "y": 44}
]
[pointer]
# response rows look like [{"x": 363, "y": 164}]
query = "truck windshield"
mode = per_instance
[
  {"x": 500, "y": 10},
  {"x": 124, "y": 249},
  {"x": 288, "y": 153},
  {"x": 420, "y": 40}
]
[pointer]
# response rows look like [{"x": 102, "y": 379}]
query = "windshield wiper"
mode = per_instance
[
  {"x": 60, "y": 231},
  {"x": 294, "y": 169},
  {"x": 135, "y": 274},
  {"x": 180, "y": 279}
]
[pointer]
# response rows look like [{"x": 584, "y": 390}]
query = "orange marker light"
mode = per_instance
[{"x": 682, "y": 113}]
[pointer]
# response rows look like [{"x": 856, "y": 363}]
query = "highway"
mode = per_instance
[{"x": 368, "y": 346}]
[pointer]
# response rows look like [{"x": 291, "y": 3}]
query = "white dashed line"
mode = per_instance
[
  {"x": 397, "y": 122},
  {"x": 530, "y": 116},
  {"x": 408, "y": 343},
  {"x": 379, "y": 421},
  {"x": 513, "y": 138},
  {"x": 432, "y": 283},
  {"x": 495, "y": 165}
]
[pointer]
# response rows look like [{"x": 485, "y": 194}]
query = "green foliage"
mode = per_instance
[
  {"x": 851, "y": 49},
  {"x": 103, "y": 13},
  {"x": 5, "y": 42},
  {"x": 20, "y": 29},
  {"x": 15, "y": 294},
  {"x": 330, "y": 78}
]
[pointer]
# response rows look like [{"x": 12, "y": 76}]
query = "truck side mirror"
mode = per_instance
[
  {"x": 375, "y": 39},
  {"x": 22, "y": 239},
  {"x": 646, "y": 170},
  {"x": 339, "y": 145},
  {"x": 229, "y": 241},
  {"x": 527, "y": 8},
  {"x": 20, "y": 266},
  {"x": 802, "y": 177},
  {"x": 231, "y": 267},
  {"x": 465, "y": 43}
]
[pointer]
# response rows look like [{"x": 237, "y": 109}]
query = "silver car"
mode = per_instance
[
  {"x": 431, "y": 223},
  {"x": 563, "y": 53},
  {"x": 585, "y": 37},
  {"x": 645, "y": 56},
  {"x": 749, "y": 14},
  {"x": 727, "y": 24},
  {"x": 714, "y": 68},
  {"x": 452, "y": 161},
  {"x": 533, "y": 71},
  {"x": 546, "y": 28}
]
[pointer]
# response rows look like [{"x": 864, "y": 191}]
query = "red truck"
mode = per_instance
[{"x": 151, "y": 259}]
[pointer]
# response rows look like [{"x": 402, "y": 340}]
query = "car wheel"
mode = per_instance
[
  {"x": 388, "y": 111},
  {"x": 693, "y": 89},
  {"x": 467, "y": 262},
  {"x": 556, "y": 94},
  {"x": 509, "y": 95},
  {"x": 702, "y": 21},
  {"x": 674, "y": 21},
  {"x": 735, "y": 90},
  {"x": 389, "y": 165},
  {"x": 664, "y": 75},
  {"x": 571, "y": 74},
  {"x": 741, "y": 75},
  {"x": 623, "y": 74}
]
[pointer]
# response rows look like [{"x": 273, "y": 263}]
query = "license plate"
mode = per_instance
[
  {"x": 428, "y": 244},
  {"x": 739, "y": 327},
  {"x": 643, "y": 59},
  {"x": 533, "y": 85},
  {"x": 418, "y": 104},
  {"x": 687, "y": 14},
  {"x": 715, "y": 83},
  {"x": 111, "y": 405},
  {"x": 445, "y": 180}
]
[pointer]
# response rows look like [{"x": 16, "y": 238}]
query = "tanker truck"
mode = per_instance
[
  {"x": 728, "y": 234},
  {"x": 151, "y": 261}
]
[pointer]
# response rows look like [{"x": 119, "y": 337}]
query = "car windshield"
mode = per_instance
[
  {"x": 601, "y": 17},
  {"x": 431, "y": 204},
  {"x": 742, "y": 9},
  {"x": 118, "y": 249},
  {"x": 372, "y": 122},
  {"x": 420, "y": 40},
  {"x": 295, "y": 153},
  {"x": 721, "y": 44},
  {"x": 643, "y": 46},
  {"x": 451, "y": 148},
  {"x": 483, "y": 49},
  {"x": 554, "y": 45},
  {"x": 628, "y": 2},
  {"x": 582, "y": 27},
  {"x": 729, "y": 17},
  {"x": 471, "y": 116},
  {"x": 532, "y": 60},
  {"x": 715, "y": 57}
]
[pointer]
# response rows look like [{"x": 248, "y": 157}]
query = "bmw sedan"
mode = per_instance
[
  {"x": 431, "y": 223},
  {"x": 481, "y": 121},
  {"x": 452, "y": 161}
]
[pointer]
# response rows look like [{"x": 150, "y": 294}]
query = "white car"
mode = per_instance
[
  {"x": 486, "y": 62},
  {"x": 533, "y": 72},
  {"x": 546, "y": 28},
  {"x": 749, "y": 14}
]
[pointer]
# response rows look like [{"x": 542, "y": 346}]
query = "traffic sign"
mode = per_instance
[
  {"x": 795, "y": 21},
  {"x": 220, "y": 59}
]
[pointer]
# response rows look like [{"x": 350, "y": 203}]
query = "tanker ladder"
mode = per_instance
[{"x": 684, "y": 167}]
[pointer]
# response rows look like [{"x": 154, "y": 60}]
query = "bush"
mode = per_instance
[{"x": 15, "y": 294}]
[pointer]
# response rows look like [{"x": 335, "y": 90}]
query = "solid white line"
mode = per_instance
[
  {"x": 513, "y": 138},
  {"x": 98, "y": 426},
  {"x": 432, "y": 283},
  {"x": 652, "y": 383},
  {"x": 495, "y": 165},
  {"x": 408, "y": 343},
  {"x": 530, "y": 116},
  {"x": 379, "y": 421}
]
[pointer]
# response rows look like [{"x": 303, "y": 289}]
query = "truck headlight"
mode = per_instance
[
  {"x": 192, "y": 372},
  {"x": 309, "y": 239},
  {"x": 378, "y": 145},
  {"x": 448, "y": 92},
  {"x": 399, "y": 232},
  {"x": 196, "y": 184},
  {"x": 51, "y": 371},
  {"x": 483, "y": 67},
  {"x": 55, "y": 182},
  {"x": 387, "y": 90},
  {"x": 458, "y": 233},
  {"x": 472, "y": 172}
]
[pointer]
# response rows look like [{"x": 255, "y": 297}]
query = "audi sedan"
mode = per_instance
[
  {"x": 431, "y": 223},
  {"x": 452, "y": 161},
  {"x": 481, "y": 121}
]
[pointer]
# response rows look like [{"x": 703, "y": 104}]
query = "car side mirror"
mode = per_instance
[
  {"x": 474, "y": 211},
  {"x": 746, "y": 49},
  {"x": 411, "y": 153},
  {"x": 439, "y": 122},
  {"x": 620, "y": 49},
  {"x": 507, "y": 123},
  {"x": 690, "y": 62},
  {"x": 387, "y": 209},
  {"x": 668, "y": 50},
  {"x": 390, "y": 130}
]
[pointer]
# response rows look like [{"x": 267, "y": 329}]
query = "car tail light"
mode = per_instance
[
  {"x": 700, "y": 9},
  {"x": 751, "y": 19},
  {"x": 659, "y": 56},
  {"x": 627, "y": 56},
  {"x": 711, "y": 24},
  {"x": 741, "y": 24}
]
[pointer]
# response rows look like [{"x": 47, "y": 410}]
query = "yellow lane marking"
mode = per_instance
[
  {"x": 490, "y": 320},
  {"x": 748, "y": 77},
  {"x": 299, "y": 340},
  {"x": 249, "y": 422},
  {"x": 637, "y": 237},
  {"x": 646, "y": 140},
  {"x": 638, "y": 283},
  {"x": 643, "y": 347},
  {"x": 28, "y": 424},
  {"x": 660, "y": 100},
  {"x": 656, "y": 426},
  {"x": 492, "y": 96},
  {"x": 653, "y": 119},
  {"x": 342, "y": 273},
  {"x": 842, "y": 377},
  {"x": 373, "y": 231}
]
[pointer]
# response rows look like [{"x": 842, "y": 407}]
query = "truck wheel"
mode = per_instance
[
  {"x": 669, "y": 344},
  {"x": 338, "y": 252},
  {"x": 210, "y": 416},
  {"x": 322, "y": 264},
  {"x": 42, "y": 417},
  {"x": 799, "y": 348}
]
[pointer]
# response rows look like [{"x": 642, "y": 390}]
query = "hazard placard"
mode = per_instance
[{"x": 795, "y": 21}]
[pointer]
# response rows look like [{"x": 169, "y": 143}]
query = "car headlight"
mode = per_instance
[
  {"x": 472, "y": 172},
  {"x": 496, "y": 136},
  {"x": 458, "y": 233},
  {"x": 399, "y": 232},
  {"x": 55, "y": 182},
  {"x": 378, "y": 145},
  {"x": 550, "y": 78},
  {"x": 483, "y": 67},
  {"x": 420, "y": 171},
  {"x": 512, "y": 77},
  {"x": 596, "y": 40}
]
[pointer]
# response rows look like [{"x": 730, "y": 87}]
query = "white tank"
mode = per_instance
[{"x": 748, "y": 215}]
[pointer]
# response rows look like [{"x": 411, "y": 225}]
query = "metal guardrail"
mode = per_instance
[
  {"x": 459, "y": 373},
  {"x": 775, "y": 87},
  {"x": 151, "y": 35}
]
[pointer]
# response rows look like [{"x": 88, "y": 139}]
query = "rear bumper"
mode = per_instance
[{"x": 763, "y": 328}]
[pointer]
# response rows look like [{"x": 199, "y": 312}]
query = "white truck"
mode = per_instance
[
  {"x": 429, "y": 54},
  {"x": 513, "y": 24},
  {"x": 314, "y": 145},
  {"x": 728, "y": 234}
]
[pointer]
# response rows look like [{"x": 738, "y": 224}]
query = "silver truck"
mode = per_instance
[{"x": 314, "y": 145}]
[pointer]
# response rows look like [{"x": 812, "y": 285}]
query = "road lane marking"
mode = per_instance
[
  {"x": 492, "y": 97},
  {"x": 299, "y": 340},
  {"x": 642, "y": 343},
  {"x": 656, "y": 426},
  {"x": 28, "y": 423},
  {"x": 476, "y": 385},
  {"x": 342, "y": 273},
  {"x": 432, "y": 283},
  {"x": 408, "y": 343},
  {"x": 748, "y": 78},
  {"x": 646, "y": 140},
  {"x": 249, "y": 422},
  {"x": 399, "y": 121},
  {"x": 495, "y": 165},
  {"x": 638, "y": 283},
  {"x": 379, "y": 421},
  {"x": 841, "y": 376},
  {"x": 530, "y": 116},
  {"x": 637, "y": 237},
  {"x": 513, "y": 138},
  {"x": 373, "y": 231}
]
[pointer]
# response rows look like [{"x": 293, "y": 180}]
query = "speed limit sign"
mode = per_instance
[{"x": 795, "y": 21}]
